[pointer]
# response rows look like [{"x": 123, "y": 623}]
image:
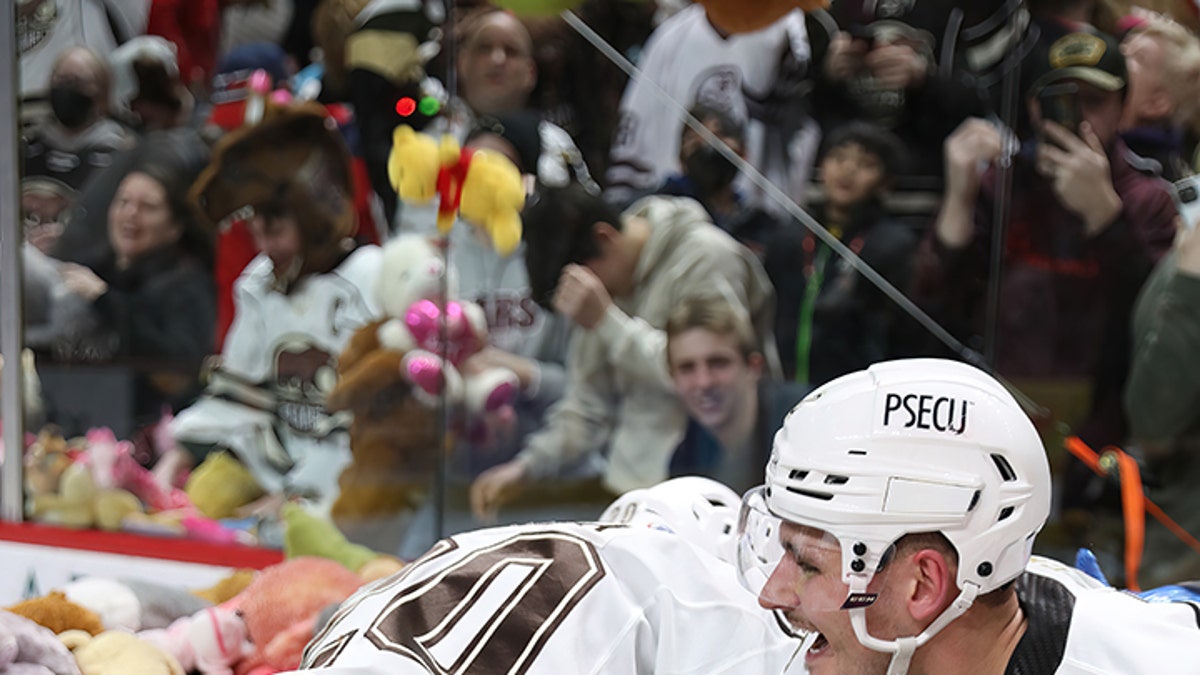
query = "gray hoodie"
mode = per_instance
[{"x": 619, "y": 395}]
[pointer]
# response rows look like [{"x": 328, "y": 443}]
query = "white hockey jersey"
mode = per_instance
[
  {"x": 695, "y": 65},
  {"x": 289, "y": 344},
  {"x": 1077, "y": 626},
  {"x": 47, "y": 27},
  {"x": 554, "y": 598}
]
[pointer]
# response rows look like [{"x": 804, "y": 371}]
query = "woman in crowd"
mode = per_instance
[{"x": 149, "y": 294}]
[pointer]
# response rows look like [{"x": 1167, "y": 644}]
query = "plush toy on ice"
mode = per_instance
[
  {"x": 27, "y": 647},
  {"x": 209, "y": 642}
]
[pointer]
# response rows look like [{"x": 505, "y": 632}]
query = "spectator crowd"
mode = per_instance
[{"x": 205, "y": 210}]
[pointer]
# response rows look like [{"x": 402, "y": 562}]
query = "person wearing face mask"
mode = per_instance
[
  {"x": 145, "y": 300},
  {"x": 708, "y": 177},
  {"x": 63, "y": 149}
]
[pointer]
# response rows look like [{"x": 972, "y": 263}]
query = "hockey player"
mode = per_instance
[
  {"x": 896, "y": 523},
  {"x": 298, "y": 303},
  {"x": 701, "y": 510},
  {"x": 628, "y": 597}
]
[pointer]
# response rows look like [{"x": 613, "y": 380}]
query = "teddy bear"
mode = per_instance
[
  {"x": 29, "y": 649},
  {"x": 484, "y": 186},
  {"x": 391, "y": 376},
  {"x": 131, "y": 604},
  {"x": 281, "y": 606},
  {"x": 116, "y": 652},
  {"x": 737, "y": 16},
  {"x": 114, "y": 466},
  {"x": 731, "y": 16},
  {"x": 227, "y": 587},
  {"x": 221, "y": 485},
  {"x": 210, "y": 641},
  {"x": 56, "y": 612},
  {"x": 308, "y": 534},
  {"x": 416, "y": 290},
  {"x": 45, "y": 461}
]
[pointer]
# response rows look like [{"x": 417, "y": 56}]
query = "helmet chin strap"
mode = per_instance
[{"x": 902, "y": 648}]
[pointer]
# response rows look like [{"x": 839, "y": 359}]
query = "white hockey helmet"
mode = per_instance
[
  {"x": 904, "y": 447},
  {"x": 699, "y": 509}
]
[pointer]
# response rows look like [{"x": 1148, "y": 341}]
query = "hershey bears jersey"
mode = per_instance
[
  {"x": 287, "y": 344},
  {"x": 553, "y": 598},
  {"x": 1077, "y": 625}
]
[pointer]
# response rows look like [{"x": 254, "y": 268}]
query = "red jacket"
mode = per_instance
[
  {"x": 1065, "y": 298},
  {"x": 195, "y": 28}
]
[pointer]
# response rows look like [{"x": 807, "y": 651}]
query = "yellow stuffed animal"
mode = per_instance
[
  {"x": 116, "y": 652},
  {"x": 221, "y": 485},
  {"x": 485, "y": 185},
  {"x": 492, "y": 197},
  {"x": 78, "y": 503},
  {"x": 413, "y": 165}
]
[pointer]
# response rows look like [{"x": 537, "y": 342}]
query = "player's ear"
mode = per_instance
[{"x": 932, "y": 585}]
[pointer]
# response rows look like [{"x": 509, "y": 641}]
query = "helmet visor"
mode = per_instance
[{"x": 794, "y": 569}]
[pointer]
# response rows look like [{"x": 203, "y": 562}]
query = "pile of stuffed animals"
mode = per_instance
[
  {"x": 95, "y": 481},
  {"x": 252, "y": 622}
]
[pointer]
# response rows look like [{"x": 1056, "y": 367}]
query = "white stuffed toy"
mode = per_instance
[
  {"x": 210, "y": 641},
  {"x": 436, "y": 332}
]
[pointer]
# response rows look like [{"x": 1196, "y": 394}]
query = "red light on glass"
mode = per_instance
[{"x": 406, "y": 106}]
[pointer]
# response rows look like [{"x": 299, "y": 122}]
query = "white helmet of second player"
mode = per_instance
[{"x": 699, "y": 509}]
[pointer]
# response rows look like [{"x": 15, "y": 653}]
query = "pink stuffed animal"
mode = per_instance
[
  {"x": 113, "y": 465},
  {"x": 210, "y": 641},
  {"x": 281, "y": 605},
  {"x": 416, "y": 289}
]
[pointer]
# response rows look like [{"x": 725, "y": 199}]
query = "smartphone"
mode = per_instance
[
  {"x": 1186, "y": 192},
  {"x": 1060, "y": 104}
]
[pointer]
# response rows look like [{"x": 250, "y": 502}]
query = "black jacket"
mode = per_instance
[{"x": 853, "y": 323}]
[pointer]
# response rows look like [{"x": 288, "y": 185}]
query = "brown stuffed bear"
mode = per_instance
[{"x": 393, "y": 439}]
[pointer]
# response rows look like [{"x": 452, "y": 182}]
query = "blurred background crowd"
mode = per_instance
[{"x": 1016, "y": 173}]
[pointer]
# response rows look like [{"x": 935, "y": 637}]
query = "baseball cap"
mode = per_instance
[{"x": 1091, "y": 57}]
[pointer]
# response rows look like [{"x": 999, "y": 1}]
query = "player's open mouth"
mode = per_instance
[{"x": 818, "y": 646}]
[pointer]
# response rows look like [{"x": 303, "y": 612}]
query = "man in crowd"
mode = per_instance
[
  {"x": 896, "y": 523},
  {"x": 733, "y": 408},
  {"x": 77, "y": 140},
  {"x": 617, "y": 277},
  {"x": 1086, "y": 227}
]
